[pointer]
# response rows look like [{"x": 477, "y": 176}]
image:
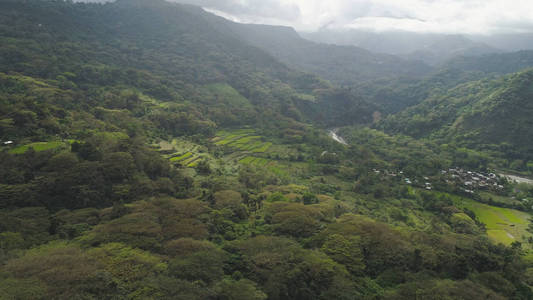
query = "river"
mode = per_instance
[{"x": 333, "y": 134}]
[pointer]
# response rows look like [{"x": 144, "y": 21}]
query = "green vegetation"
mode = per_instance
[
  {"x": 178, "y": 162},
  {"x": 39, "y": 146},
  {"x": 182, "y": 157},
  {"x": 465, "y": 117},
  {"x": 226, "y": 93},
  {"x": 503, "y": 225},
  {"x": 242, "y": 140}
]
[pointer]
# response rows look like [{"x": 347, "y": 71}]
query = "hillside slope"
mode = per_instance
[
  {"x": 168, "y": 51},
  {"x": 498, "y": 63},
  {"x": 487, "y": 113},
  {"x": 396, "y": 94},
  {"x": 146, "y": 154}
]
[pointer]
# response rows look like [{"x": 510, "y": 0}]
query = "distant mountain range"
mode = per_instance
[
  {"x": 340, "y": 64},
  {"x": 433, "y": 49}
]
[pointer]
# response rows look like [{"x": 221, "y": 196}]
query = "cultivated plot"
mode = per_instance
[{"x": 503, "y": 225}]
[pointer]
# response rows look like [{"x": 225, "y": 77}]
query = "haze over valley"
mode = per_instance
[{"x": 274, "y": 149}]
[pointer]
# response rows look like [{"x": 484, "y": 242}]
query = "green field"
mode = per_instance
[
  {"x": 503, "y": 225},
  {"x": 39, "y": 146},
  {"x": 501, "y": 236}
]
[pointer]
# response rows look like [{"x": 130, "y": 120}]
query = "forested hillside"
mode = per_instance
[
  {"x": 489, "y": 114},
  {"x": 148, "y": 153},
  {"x": 398, "y": 94},
  {"x": 501, "y": 63}
]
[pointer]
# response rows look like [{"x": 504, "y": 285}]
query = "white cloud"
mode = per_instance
[{"x": 443, "y": 16}]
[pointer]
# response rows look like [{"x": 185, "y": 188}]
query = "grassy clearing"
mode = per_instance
[
  {"x": 512, "y": 215},
  {"x": 501, "y": 236},
  {"x": 503, "y": 225},
  {"x": 224, "y": 93},
  {"x": 39, "y": 146}
]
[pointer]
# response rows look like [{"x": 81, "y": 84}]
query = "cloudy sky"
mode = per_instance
[{"x": 442, "y": 16}]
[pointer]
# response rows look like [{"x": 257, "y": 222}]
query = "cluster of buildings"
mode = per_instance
[
  {"x": 427, "y": 185},
  {"x": 468, "y": 181},
  {"x": 471, "y": 181}
]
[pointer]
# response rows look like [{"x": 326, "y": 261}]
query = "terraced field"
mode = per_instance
[
  {"x": 503, "y": 225},
  {"x": 242, "y": 140},
  {"x": 249, "y": 148},
  {"x": 182, "y": 153}
]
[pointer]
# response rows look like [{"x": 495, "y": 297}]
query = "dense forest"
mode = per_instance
[
  {"x": 491, "y": 114},
  {"x": 151, "y": 150}
]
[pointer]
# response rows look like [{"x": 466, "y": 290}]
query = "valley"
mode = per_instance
[{"x": 154, "y": 150}]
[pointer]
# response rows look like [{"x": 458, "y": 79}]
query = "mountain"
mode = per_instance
[
  {"x": 395, "y": 95},
  {"x": 148, "y": 151},
  {"x": 511, "y": 42},
  {"x": 449, "y": 47},
  {"x": 342, "y": 65},
  {"x": 176, "y": 51},
  {"x": 487, "y": 114},
  {"x": 501, "y": 63},
  {"x": 433, "y": 49}
]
